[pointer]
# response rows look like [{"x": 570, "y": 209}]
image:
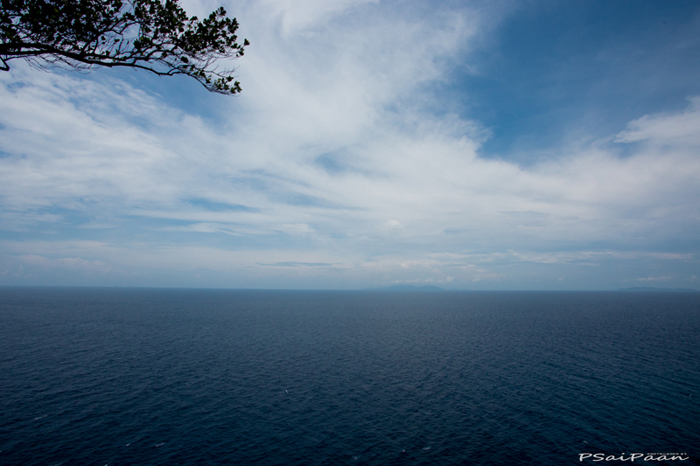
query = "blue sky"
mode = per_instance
[{"x": 484, "y": 145}]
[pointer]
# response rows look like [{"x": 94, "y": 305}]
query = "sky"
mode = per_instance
[{"x": 534, "y": 145}]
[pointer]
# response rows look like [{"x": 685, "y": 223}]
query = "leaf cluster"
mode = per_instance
[{"x": 154, "y": 35}]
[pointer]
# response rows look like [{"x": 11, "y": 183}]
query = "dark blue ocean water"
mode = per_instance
[{"x": 206, "y": 377}]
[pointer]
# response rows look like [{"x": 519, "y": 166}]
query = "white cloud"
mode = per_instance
[
  {"x": 669, "y": 129},
  {"x": 70, "y": 263},
  {"x": 330, "y": 156},
  {"x": 654, "y": 279}
]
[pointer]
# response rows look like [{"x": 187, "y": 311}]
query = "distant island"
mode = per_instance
[
  {"x": 408, "y": 288},
  {"x": 653, "y": 288}
]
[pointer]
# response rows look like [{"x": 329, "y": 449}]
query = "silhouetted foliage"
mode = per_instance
[{"x": 153, "y": 35}]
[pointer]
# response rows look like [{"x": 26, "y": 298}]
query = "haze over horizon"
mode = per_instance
[{"x": 466, "y": 145}]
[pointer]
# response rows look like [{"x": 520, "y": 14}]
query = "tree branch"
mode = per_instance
[{"x": 86, "y": 33}]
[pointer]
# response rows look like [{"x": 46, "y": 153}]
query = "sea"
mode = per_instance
[{"x": 119, "y": 376}]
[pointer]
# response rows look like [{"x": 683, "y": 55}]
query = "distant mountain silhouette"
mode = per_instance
[
  {"x": 409, "y": 288},
  {"x": 653, "y": 288}
]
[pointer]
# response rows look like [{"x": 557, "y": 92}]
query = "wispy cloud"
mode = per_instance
[
  {"x": 333, "y": 169},
  {"x": 679, "y": 130},
  {"x": 655, "y": 279}
]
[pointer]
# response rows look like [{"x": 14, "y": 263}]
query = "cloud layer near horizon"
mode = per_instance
[{"x": 338, "y": 167}]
